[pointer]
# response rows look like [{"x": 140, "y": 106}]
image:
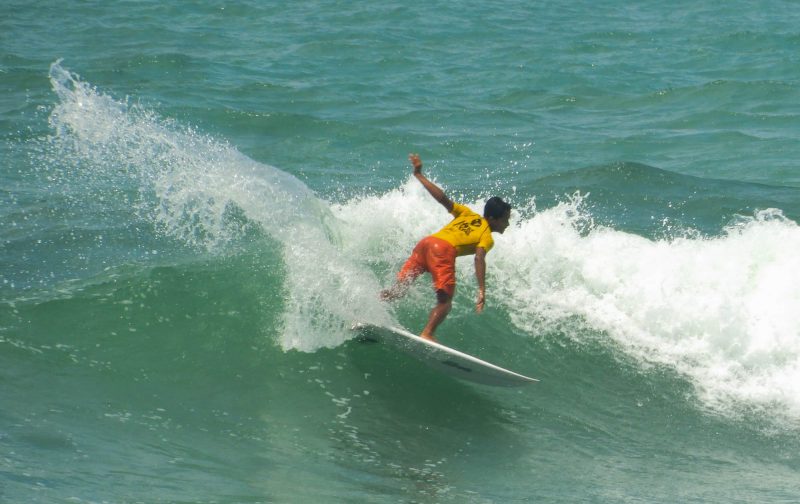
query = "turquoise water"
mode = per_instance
[{"x": 198, "y": 201}]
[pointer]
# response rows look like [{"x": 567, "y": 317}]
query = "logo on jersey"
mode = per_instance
[{"x": 468, "y": 227}]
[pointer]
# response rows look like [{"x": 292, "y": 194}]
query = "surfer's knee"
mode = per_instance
[{"x": 443, "y": 297}]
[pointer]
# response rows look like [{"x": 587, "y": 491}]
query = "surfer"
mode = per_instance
[{"x": 468, "y": 233}]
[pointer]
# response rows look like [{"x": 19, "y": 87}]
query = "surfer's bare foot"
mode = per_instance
[
  {"x": 428, "y": 337},
  {"x": 396, "y": 291}
]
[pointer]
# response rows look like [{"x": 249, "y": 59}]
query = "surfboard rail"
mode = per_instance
[{"x": 448, "y": 360}]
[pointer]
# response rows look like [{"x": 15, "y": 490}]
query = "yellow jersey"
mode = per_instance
[{"x": 467, "y": 231}]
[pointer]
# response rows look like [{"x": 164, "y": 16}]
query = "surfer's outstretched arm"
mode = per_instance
[{"x": 432, "y": 188}]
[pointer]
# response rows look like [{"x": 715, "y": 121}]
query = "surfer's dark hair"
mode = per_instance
[{"x": 495, "y": 208}]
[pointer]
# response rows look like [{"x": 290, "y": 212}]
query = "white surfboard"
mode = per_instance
[{"x": 443, "y": 358}]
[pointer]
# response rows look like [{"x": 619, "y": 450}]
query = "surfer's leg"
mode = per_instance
[
  {"x": 441, "y": 262},
  {"x": 413, "y": 267},
  {"x": 444, "y": 302}
]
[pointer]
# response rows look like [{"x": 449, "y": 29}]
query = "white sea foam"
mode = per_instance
[{"x": 724, "y": 312}]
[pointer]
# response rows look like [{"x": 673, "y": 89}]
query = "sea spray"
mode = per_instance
[{"x": 195, "y": 189}]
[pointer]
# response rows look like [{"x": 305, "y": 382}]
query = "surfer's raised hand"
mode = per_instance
[
  {"x": 416, "y": 162},
  {"x": 432, "y": 188}
]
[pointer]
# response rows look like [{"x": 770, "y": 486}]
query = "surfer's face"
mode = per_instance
[{"x": 499, "y": 224}]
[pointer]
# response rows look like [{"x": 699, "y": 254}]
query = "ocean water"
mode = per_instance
[{"x": 197, "y": 201}]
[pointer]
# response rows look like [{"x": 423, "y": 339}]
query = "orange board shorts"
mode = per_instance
[{"x": 437, "y": 257}]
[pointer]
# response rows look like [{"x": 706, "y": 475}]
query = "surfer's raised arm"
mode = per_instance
[{"x": 432, "y": 188}]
